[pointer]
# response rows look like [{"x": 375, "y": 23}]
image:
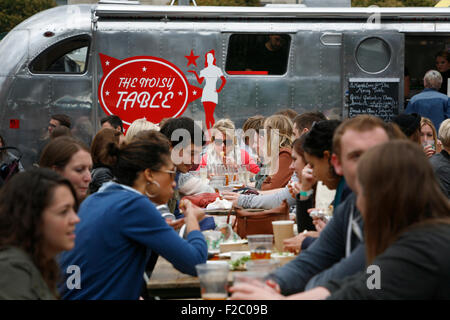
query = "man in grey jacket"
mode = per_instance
[{"x": 339, "y": 251}]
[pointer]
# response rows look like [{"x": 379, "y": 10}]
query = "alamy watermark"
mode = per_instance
[
  {"x": 265, "y": 143},
  {"x": 74, "y": 279},
  {"x": 374, "y": 20},
  {"x": 374, "y": 280}
]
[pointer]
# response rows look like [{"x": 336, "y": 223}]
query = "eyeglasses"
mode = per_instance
[
  {"x": 219, "y": 142},
  {"x": 171, "y": 172}
]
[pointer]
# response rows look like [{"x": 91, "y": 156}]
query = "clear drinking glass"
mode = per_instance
[{"x": 260, "y": 246}]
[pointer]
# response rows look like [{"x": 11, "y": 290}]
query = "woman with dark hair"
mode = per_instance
[
  {"x": 37, "y": 222},
  {"x": 121, "y": 228},
  {"x": 443, "y": 66},
  {"x": 407, "y": 234},
  {"x": 306, "y": 182},
  {"x": 410, "y": 125},
  {"x": 317, "y": 148},
  {"x": 70, "y": 158},
  {"x": 102, "y": 171}
]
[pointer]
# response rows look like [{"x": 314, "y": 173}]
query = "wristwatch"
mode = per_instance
[{"x": 306, "y": 193}]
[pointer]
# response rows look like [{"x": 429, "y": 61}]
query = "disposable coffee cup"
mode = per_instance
[{"x": 282, "y": 229}]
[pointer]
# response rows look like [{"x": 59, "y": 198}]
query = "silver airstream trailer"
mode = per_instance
[{"x": 342, "y": 61}]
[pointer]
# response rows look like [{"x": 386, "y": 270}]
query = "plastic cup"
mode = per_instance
[
  {"x": 203, "y": 173},
  {"x": 217, "y": 183},
  {"x": 282, "y": 229},
  {"x": 264, "y": 266},
  {"x": 253, "y": 277},
  {"x": 260, "y": 246},
  {"x": 429, "y": 143},
  {"x": 213, "y": 280}
]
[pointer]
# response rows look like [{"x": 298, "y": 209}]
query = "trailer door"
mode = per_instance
[{"x": 373, "y": 73}]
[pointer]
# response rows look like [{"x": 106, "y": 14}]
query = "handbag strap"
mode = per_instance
[
  {"x": 229, "y": 214},
  {"x": 228, "y": 217}
]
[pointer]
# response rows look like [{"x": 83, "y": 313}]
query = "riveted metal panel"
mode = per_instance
[{"x": 315, "y": 73}]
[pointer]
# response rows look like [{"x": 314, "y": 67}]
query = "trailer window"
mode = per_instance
[
  {"x": 68, "y": 56},
  {"x": 373, "y": 55},
  {"x": 258, "y": 54}
]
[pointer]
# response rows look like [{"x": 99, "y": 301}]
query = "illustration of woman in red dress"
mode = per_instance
[{"x": 211, "y": 73}]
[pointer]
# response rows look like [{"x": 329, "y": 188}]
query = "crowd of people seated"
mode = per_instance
[{"x": 112, "y": 207}]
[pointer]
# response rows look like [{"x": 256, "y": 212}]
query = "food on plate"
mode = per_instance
[
  {"x": 239, "y": 264},
  {"x": 282, "y": 254},
  {"x": 283, "y": 257},
  {"x": 220, "y": 204}
]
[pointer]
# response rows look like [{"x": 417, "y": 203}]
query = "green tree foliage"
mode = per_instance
[
  {"x": 394, "y": 3},
  {"x": 13, "y": 12}
]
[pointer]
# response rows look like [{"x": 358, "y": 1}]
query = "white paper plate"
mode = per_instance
[
  {"x": 217, "y": 262},
  {"x": 228, "y": 254},
  {"x": 242, "y": 241}
]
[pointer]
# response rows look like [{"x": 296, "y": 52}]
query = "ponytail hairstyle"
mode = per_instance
[
  {"x": 138, "y": 155},
  {"x": 281, "y": 125},
  {"x": 320, "y": 138},
  {"x": 99, "y": 150}
]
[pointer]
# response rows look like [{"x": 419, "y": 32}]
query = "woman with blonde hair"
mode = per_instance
[
  {"x": 137, "y": 126},
  {"x": 277, "y": 143},
  {"x": 443, "y": 66},
  {"x": 428, "y": 137},
  {"x": 224, "y": 149}
]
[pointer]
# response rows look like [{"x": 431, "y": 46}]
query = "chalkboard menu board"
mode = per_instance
[{"x": 378, "y": 97}]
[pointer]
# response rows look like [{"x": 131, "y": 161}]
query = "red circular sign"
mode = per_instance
[{"x": 144, "y": 87}]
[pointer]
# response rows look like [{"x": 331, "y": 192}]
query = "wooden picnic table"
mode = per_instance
[{"x": 166, "y": 282}]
